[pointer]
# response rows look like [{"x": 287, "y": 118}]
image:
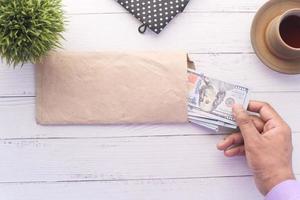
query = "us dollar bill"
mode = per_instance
[
  {"x": 215, "y": 128},
  {"x": 213, "y": 98},
  {"x": 206, "y": 125},
  {"x": 212, "y": 121},
  {"x": 196, "y": 112}
]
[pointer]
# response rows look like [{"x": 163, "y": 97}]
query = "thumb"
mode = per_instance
[{"x": 245, "y": 123}]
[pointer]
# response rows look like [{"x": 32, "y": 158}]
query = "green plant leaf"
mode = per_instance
[{"x": 29, "y": 29}]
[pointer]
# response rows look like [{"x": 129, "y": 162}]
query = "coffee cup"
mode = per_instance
[{"x": 283, "y": 35}]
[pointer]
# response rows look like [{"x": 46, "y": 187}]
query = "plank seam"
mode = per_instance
[
  {"x": 186, "y": 12},
  {"x": 123, "y": 180},
  {"x": 123, "y": 137},
  {"x": 252, "y": 91}
]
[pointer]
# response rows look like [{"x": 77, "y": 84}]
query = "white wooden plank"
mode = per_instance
[
  {"x": 110, "y": 6},
  {"x": 16, "y": 82},
  {"x": 244, "y": 69},
  {"x": 17, "y": 121},
  {"x": 120, "y": 159},
  {"x": 194, "y": 32},
  {"x": 191, "y": 189}
]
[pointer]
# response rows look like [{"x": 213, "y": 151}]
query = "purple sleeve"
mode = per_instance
[{"x": 287, "y": 190}]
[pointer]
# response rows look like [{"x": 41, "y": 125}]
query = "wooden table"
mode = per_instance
[{"x": 140, "y": 162}]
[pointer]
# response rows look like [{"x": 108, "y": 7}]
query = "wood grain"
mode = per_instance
[
  {"x": 99, "y": 32},
  {"x": 110, "y": 6},
  {"x": 120, "y": 159},
  {"x": 161, "y": 189},
  {"x": 191, "y": 189},
  {"x": 189, "y": 32}
]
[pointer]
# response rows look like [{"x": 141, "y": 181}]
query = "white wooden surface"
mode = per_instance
[{"x": 139, "y": 161}]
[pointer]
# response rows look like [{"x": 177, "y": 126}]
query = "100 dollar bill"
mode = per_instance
[{"x": 215, "y": 98}]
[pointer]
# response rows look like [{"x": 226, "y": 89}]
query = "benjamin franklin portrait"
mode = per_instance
[{"x": 210, "y": 96}]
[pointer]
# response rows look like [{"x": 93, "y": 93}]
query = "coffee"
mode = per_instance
[{"x": 290, "y": 31}]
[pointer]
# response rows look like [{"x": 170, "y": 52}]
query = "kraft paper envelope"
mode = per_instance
[{"x": 112, "y": 88}]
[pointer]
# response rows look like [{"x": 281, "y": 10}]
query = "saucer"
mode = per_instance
[{"x": 263, "y": 17}]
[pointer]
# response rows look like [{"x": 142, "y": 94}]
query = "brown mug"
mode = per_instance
[{"x": 283, "y": 35}]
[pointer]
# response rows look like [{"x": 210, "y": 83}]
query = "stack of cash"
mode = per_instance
[{"x": 210, "y": 101}]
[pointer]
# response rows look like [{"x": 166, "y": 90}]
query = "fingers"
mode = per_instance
[
  {"x": 258, "y": 123},
  {"x": 237, "y": 138},
  {"x": 266, "y": 111},
  {"x": 269, "y": 126},
  {"x": 232, "y": 145},
  {"x": 245, "y": 123},
  {"x": 233, "y": 139},
  {"x": 235, "y": 151}
]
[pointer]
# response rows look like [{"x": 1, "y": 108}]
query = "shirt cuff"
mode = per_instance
[{"x": 286, "y": 190}]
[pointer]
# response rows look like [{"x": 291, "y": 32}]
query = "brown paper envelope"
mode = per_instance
[{"x": 112, "y": 88}]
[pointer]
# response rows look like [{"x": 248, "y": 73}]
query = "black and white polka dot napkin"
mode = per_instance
[{"x": 154, "y": 14}]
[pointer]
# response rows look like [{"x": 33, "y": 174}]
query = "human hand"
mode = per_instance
[{"x": 266, "y": 142}]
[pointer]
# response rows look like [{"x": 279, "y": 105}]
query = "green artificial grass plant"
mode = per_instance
[{"x": 29, "y": 29}]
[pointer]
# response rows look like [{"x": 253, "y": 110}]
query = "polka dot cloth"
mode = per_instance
[{"x": 154, "y": 14}]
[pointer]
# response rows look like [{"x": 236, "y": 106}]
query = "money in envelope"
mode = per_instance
[{"x": 210, "y": 102}]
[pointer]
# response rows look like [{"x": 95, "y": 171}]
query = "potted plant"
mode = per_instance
[{"x": 29, "y": 29}]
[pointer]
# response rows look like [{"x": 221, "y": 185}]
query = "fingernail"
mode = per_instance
[
  {"x": 221, "y": 144},
  {"x": 231, "y": 152}
]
